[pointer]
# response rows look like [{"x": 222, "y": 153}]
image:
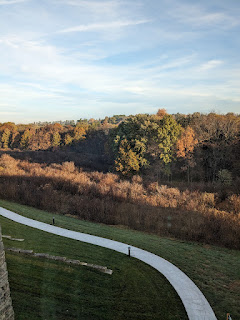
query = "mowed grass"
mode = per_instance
[
  {"x": 215, "y": 270},
  {"x": 46, "y": 289}
]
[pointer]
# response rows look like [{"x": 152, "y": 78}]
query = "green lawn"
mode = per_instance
[
  {"x": 45, "y": 289},
  {"x": 215, "y": 270}
]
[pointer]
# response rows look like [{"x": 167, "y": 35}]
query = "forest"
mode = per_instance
[{"x": 174, "y": 175}]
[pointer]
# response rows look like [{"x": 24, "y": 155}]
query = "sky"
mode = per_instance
[{"x": 72, "y": 59}]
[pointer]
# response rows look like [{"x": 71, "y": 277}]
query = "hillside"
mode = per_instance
[{"x": 207, "y": 266}]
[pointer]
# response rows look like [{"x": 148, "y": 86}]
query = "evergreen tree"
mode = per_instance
[
  {"x": 67, "y": 139},
  {"x": 168, "y": 133},
  {"x": 56, "y": 139},
  {"x": 142, "y": 138},
  {"x": 5, "y": 138},
  {"x": 25, "y": 139}
]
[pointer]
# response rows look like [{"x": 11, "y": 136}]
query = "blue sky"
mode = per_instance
[{"x": 71, "y": 59}]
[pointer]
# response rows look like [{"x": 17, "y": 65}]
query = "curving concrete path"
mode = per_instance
[{"x": 195, "y": 303}]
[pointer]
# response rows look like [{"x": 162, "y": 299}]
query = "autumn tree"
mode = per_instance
[
  {"x": 84, "y": 122},
  {"x": 185, "y": 148},
  {"x": 8, "y": 125},
  {"x": 161, "y": 113},
  {"x": 25, "y": 139},
  {"x": 57, "y": 127},
  {"x": 79, "y": 132},
  {"x": 56, "y": 139},
  {"x": 5, "y": 138},
  {"x": 68, "y": 139},
  {"x": 41, "y": 139},
  {"x": 216, "y": 135},
  {"x": 105, "y": 121},
  {"x": 15, "y": 139}
]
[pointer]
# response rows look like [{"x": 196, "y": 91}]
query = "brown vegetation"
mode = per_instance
[
  {"x": 197, "y": 148},
  {"x": 95, "y": 196}
]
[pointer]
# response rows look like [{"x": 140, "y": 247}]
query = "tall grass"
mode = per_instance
[{"x": 95, "y": 196}]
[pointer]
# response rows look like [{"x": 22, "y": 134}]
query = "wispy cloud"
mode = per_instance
[
  {"x": 198, "y": 16},
  {"x": 92, "y": 5},
  {"x": 81, "y": 56},
  {"x": 103, "y": 26},
  {"x": 111, "y": 9},
  {"x": 35, "y": 60},
  {"x": 211, "y": 65},
  {"x": 8, "y": 2}
]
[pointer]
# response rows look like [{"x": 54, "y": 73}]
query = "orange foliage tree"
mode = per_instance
[
  {"x": 161, "y": 113},
  {"x": 79, "y": 133},
  {"x": 185, "y": 148}
]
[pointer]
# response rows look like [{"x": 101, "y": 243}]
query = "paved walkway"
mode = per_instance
[{"x": 195, "y": 303}]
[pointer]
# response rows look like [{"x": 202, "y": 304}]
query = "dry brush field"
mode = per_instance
[{"x": 105, "y": 198}]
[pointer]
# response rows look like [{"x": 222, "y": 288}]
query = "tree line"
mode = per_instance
[
  {"x": 193, "y": 147},
  {"x": 46, "y": 135},
  {"x": 197, "y": 146}
]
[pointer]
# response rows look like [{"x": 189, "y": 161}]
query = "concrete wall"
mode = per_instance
[{"x": 6, "y": 309}]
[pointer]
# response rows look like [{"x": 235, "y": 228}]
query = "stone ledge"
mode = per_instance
[
  {"x": 10, "y": 238},
  {"x": 62, "y": 259}
]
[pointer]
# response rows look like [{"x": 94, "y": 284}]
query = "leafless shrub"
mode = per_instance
[
  {"x": 68, "y": 166},
  {"x": 99, "y": 197},
  {"x": 137, "y": 179},
  {"x": 235, "y": 203}
]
